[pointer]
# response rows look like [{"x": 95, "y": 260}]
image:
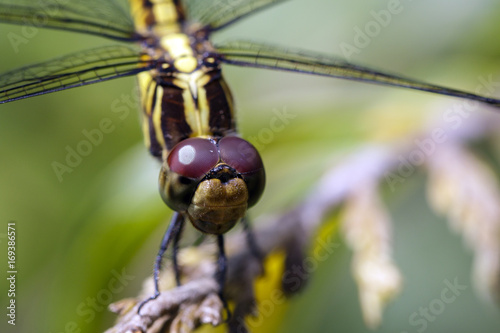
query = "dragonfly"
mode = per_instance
[{"x": 209, "y": 176}]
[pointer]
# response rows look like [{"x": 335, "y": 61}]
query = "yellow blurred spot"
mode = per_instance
[{"x": 271, "y": 301}]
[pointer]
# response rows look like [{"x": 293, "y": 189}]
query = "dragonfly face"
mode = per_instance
[{"x": 212, "y": 181}]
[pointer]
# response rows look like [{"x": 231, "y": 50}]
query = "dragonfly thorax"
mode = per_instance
[{"x": 178, "y": 48}]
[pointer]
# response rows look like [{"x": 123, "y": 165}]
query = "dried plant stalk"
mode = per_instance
[
  {"x": 465, "y": 190},
  {"x": 367, "y": 230}
]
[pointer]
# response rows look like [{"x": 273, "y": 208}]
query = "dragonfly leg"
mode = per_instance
[
  {"x": 173, "y": 231},
  {"x": 222, "y": 272},
  {"x": 252, "y": 242},
  {"x": 175, "y": 253}
]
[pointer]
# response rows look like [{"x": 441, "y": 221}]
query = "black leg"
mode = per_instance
[
  {"x": 222, "y": 272},
  {"x": 175, "y": 262},
  {"x": 172, "y": 232},
  {"x": 251, "y": 241}
]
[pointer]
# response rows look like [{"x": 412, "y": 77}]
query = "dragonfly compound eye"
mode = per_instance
[
  {"x": 186, "y": 165},
  {"x": 193, "y": 158},
  {"x": 245, "y": 159}
]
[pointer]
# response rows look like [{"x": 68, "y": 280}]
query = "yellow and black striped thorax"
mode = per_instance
[{"x": 185, "y": 95}]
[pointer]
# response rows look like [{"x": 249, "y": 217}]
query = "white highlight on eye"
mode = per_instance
[{"x": 187, "y": 154}]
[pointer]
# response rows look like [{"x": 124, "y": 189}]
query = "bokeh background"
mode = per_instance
[{"x": 105, "y": 217}]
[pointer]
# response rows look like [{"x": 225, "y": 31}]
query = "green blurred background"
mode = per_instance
[{"x": 106, "y": 218}]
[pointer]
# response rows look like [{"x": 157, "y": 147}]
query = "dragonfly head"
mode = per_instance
[{"x": 212, "y": 181}]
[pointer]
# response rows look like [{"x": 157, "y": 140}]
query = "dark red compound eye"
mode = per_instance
[
  {"x": 240, "y": 154},
  {"x": 193, "y": 158},
  {"x": 244, "y": 158}
]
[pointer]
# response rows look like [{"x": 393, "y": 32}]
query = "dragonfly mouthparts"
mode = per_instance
[{"x": 222, "y": 172}]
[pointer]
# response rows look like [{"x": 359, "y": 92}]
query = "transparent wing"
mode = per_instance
[
  {"x": 221, "y": 13},
  {"x": 97, "y": 17},
  {"x": 74, "y": 70},
  {"x": 267, "y": 56}
]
